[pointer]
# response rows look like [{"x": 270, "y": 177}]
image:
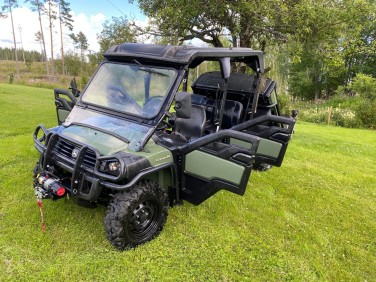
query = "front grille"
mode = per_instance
[{"x": 65, "y": 148}]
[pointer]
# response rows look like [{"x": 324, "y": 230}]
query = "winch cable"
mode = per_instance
[{"x": 41, "y": 214}]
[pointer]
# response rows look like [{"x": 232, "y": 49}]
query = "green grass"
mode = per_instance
[{"x": 313, "y": 219}]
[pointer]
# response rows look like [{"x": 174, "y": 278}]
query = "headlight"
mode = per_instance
[{"x": 112, "y": 166}]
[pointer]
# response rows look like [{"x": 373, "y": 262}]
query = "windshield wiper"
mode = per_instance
[{"x": 149, "y": 70}]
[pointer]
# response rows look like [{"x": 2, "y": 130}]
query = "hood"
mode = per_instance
[{"x": 105, "y": 143}]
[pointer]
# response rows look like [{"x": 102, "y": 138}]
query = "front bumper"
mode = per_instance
[{"x": 80, "y": 164}]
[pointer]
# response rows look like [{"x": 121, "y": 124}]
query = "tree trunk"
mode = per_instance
[
  {"x": 43, "y": 41},
  {"x": 22, "y": 48},
  {"x": 51, "y": 38},
  {"x": 14, "y": 40},
  {"x": 62, "y": 43}
]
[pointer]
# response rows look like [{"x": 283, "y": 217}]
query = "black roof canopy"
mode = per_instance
[{"x": 185, "y": 55}]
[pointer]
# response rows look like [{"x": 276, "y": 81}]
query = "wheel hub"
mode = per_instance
[{"x": 142, "y": 216}]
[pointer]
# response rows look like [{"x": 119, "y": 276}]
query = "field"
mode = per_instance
[{"x": 313, "y": 219}]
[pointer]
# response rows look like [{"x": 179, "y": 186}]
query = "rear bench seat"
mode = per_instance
[{"x": 232, "y": 114}]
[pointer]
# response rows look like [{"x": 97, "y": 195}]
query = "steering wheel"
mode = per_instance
[{"x": 117, "y": 95}]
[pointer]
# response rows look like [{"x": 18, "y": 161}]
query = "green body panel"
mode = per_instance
[
  {"x": 163, "y": 177},
  {"x": 62, "y": 114},
  {"x": 269, "y": 148},
  {"x": 240, "y": 143},
  {"x": 156, "y": 154},
  {"x": 266, "y": 147},
  {"x": 107, "y": 144},
  {"x": 211, "y": 167}
]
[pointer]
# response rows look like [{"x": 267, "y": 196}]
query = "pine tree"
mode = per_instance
[
  {"x": 37, "y": 6},
  {"x": 65, "y": 19},
  {"x": 52, "y": 16},
  {"x": 80, "y": 42},
  {"x": 8, "y": 8}
]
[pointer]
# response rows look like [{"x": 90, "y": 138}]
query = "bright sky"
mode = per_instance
[{"x": 88, "y": 15}]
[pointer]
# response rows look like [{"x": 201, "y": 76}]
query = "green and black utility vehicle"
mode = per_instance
[{"x": 138, "y": 140}]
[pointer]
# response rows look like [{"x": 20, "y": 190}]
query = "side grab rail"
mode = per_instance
[
  {"x": 38, "y": 141},
  {"x": 57, "y": 93},
  {"x": 278, "y": 119}
]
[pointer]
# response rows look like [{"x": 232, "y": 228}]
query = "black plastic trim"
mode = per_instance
[
  {"x": 77, "y": 174},
  {"x": 121, "y": 187}
]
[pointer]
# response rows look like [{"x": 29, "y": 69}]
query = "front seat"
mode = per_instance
[{"x": 193, "y": 127}]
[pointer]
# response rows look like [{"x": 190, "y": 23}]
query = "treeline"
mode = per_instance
[
  {"x": 315, "y": 49},
  {"x": 30, "y": 56},
  {"x": 314, "y": 46},
  {"x": 60, "y": 22}
]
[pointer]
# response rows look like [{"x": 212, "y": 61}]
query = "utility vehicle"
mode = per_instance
[{"x": 143, "y": 137}]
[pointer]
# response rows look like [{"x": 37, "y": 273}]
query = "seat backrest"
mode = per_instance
[
  {"x": 199, "y": 99},
  {"x": 194, "y": 127},
  {"x": 232, "y": 113}
]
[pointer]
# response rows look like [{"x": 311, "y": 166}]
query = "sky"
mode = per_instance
[{"x": 88, "y": 15}]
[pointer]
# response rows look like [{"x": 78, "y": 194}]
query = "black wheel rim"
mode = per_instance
[{"x": 144, "y": 221}]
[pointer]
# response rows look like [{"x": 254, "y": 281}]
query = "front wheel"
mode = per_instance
[{"x": 136, "y": 216}]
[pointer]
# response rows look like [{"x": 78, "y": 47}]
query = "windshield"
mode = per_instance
[
  {"x": 129, "y": 132},
  {"x": 132, "y": 89}
]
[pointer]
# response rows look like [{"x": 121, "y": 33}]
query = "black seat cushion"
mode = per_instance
[{"x": 194, "y": 127}]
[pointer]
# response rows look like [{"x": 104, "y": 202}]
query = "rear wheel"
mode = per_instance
[{"x": 136, "y": 216}]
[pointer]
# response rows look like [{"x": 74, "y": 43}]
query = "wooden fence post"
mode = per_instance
[{"x": 329, "y": 115}]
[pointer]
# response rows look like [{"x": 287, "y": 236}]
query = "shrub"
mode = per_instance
[
  {"x": 345, "y": 118},
  {"x": 365, "y": 86},
  {"x": 339, "y": 116},
  {"x": 366, "y": 113},
  {"x": 284, "y": 103}
]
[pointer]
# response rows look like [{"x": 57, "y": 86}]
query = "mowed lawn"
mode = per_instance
[{"x": 313, "y": 219}]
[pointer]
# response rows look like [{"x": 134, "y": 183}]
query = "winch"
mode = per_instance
[{"x": 48, "y": 187}]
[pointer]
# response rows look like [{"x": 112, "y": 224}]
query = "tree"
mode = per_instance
[
  {"x": 244, "y": 23},
  {"x": 359, "y": 41},
  {"x": 37, "y": 6},
  {"x": 115, "y": 32},
  {"x": 65, "y": 19},
  {"x": 8, "y": 6},
  {"x": 38, "y": 38},
  {"x": 50, "y": 11},
  {"x": 22, "y": 48},
  {"x": 365, "y": 87},
  {"x": 73, "y": 63},
  {"x": 325, "y": 49},
  {"x": 80, "y": 42}
]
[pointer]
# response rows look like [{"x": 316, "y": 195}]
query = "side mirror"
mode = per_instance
[
  {"x": 73, "y": 87},
  {"x": 183, "y": 105}
]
